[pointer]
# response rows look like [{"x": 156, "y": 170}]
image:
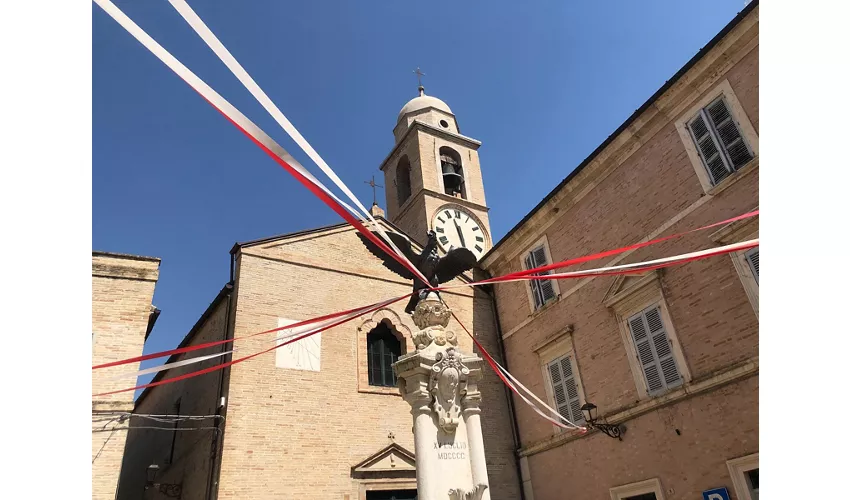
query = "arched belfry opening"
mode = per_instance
[
  {"x": 452, "y": 170},
  {"x": 402, "y": 180},
  {"x": 383, "y": 348}
]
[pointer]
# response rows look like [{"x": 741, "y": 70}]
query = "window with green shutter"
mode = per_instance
[
  {"x": 565, "y": 389},
  {"x": 542, "y": 291},
  {"x": 719, "y": 141},
  {"x": 654, "y": 351}
]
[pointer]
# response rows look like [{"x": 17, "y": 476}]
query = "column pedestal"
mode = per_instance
[{"x": 440, "y": 384}]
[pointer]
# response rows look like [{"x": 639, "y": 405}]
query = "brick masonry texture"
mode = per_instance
[
  {"x": 191, "y": 461},
  {"x": 292, "y": 422},
  {"x": 716, "y": 326},
  {"x": 294, "y": 434},
  {"x": 122, "y": 289}
]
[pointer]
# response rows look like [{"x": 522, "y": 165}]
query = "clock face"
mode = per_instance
[{"x": 456, "y": 228}]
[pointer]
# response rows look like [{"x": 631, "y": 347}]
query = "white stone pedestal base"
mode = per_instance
[{"x": 440, "y": 384}]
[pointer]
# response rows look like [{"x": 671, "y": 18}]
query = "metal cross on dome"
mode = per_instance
[
  {"x": 374, "y": 193},
  {"x": 419, "y": 74}
]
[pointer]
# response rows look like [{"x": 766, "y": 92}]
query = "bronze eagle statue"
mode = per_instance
[{"x": 437, "y": 269}]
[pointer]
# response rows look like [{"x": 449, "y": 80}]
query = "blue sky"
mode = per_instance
[{"x": 541, "y": 84}]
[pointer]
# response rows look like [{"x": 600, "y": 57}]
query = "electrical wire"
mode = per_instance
[
  {"x": 111, "y": 433},
  {"x": 157, "y": 428},
  {"x": 160, "y": 418}
]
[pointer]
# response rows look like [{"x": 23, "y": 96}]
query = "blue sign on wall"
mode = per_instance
[{"x": 715, "y": 494}]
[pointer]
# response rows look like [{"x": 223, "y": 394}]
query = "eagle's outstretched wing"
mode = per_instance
[
  {"x": 389, "y": 262},
  {"x": 455, "y": 263}
]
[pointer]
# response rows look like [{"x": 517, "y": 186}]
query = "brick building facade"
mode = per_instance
[
  {"x": 316, "y": 419},
  {"x": 122, "y": 317},
  {"x": 672, "y": 355}
]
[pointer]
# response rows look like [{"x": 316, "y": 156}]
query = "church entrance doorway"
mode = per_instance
[{"x": 391, "y": 495}]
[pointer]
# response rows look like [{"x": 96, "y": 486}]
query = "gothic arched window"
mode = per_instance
[
  {"x": 383, "y": 349},
  {"x": 402, "y": 180},
  {"x": 453, "y": 182}
]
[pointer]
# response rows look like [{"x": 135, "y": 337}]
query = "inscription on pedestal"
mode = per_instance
[
  {"x": 449, "y": 450},
  {"x": 440, "y": 383}
]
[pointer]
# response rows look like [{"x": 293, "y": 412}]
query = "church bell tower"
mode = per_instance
[{"x": 433, "y": 178}]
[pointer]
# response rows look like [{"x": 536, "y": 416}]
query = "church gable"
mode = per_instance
[
  {"x": 390, "y": 459},
  {"x": 338, "y": 248}
]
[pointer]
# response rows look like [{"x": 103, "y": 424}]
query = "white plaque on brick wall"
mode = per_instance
[{"x": 304, "y": 354}]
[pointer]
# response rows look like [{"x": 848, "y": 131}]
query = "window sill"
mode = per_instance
[
  {"x": 374, "y": 389},
  {"x": 744, "y": 171},
  {"x": 545, "y": 306}
]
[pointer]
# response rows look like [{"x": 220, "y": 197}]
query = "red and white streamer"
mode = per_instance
[
  {"x": 181, "y": 350},
  {"x": 242, "y": 75},
  {"x": 619, "y": 269},
  {"x": 168, "y": 366},
  {"x": 259, "y": 137},
  {"x": 255, "y": 133},
  {"x": 251, "y": 356},
  {"x": 515, "y": 385},
  {"x": 616, "y": 251}
]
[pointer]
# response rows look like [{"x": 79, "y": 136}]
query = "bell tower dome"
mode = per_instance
[{"x": 433, "y": 177}]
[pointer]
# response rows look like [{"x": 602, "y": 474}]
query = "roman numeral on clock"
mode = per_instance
[
  {"x": 476, "y": 228},
  {"x": 441, "y": 230},
  {"x": 444, "y": 240},
  {"x": 478, "y": 247},
  {"x": 479, "y": 238}
]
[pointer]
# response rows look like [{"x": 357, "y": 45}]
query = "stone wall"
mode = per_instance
[{"x": 122, "y": 290}]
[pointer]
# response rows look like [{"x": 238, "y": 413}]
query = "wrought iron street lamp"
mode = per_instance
[
  {"x": 614, "y": 431},
  {"x": 167, "y": 489}
]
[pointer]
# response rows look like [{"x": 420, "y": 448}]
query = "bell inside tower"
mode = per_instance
[{"x": 453, "y": 182}]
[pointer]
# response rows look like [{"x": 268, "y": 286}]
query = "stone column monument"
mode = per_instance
[{"x": 440, "y": 384}]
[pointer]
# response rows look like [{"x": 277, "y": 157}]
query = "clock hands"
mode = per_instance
[{"x": 460, "y": 233}]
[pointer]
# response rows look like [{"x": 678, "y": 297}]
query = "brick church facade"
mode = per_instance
[{"x": 672, "y": 355}]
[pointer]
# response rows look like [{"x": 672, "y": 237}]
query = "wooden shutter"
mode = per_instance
[
  {"x": 654, "y": 351},
  {"x": 565, "y": 389},
  {"x": 753, "y": 260},
  {"x": 719, "y": 141},
  {"x": 542, "y": 290},
  {"x": 727, "y": 132},
  {"x": 708, "y": 149},
  {"x": 536, "y": 294}
]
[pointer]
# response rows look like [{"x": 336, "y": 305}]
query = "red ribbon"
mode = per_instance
[
  {"x": 246, "y": 358},
  {"x": 608, "y": 253},
  {"x": 316, "y": 190},
  {"x": 220, "y": 342}
]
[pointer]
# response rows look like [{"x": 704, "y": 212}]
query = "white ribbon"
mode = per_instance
[
  {"x": 168, "y": 366},
  {"x": 299, "y": 331},
  {"x": 239, "y": 72},
  {"x": 212, "y": 96},
  {"x": 519, "y": 385},
  {"x": 666, "y": 260}
]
